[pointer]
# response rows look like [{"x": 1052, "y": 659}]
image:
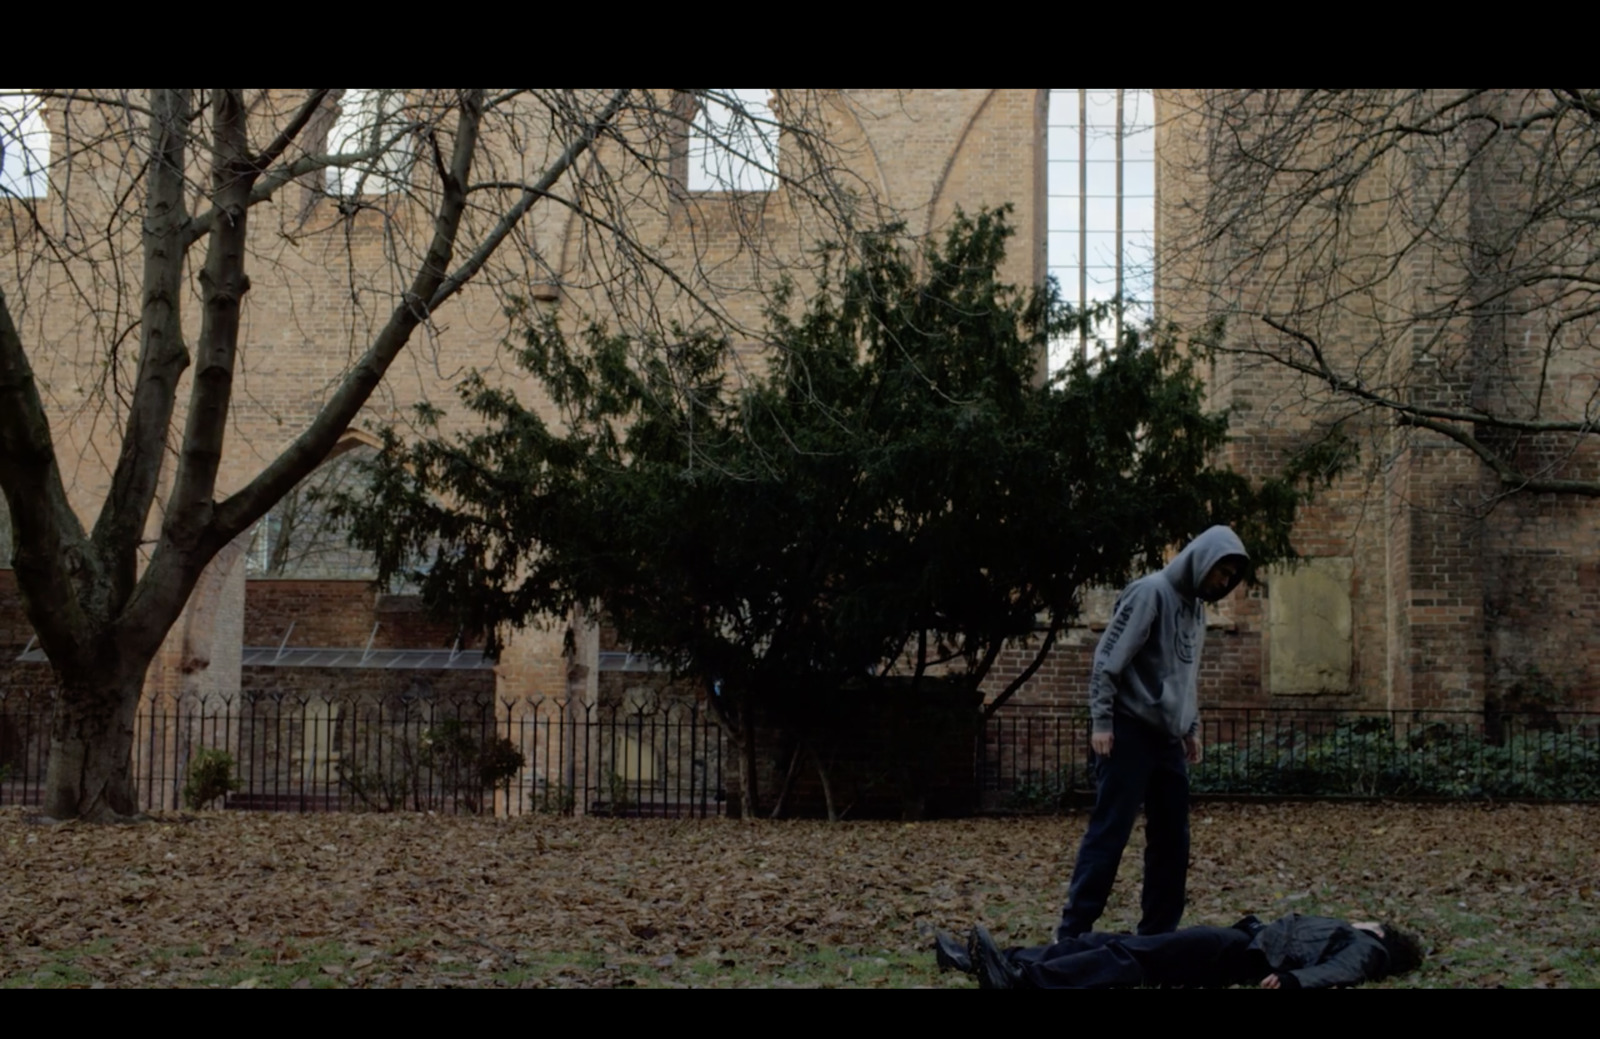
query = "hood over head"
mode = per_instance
[{"x": 1200, "y": 555}]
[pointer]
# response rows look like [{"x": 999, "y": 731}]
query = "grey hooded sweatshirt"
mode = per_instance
[{"x": 1148, "y": 662}]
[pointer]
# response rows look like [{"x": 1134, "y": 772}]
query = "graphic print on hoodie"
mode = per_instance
[{"x": 1147, "y": 665}]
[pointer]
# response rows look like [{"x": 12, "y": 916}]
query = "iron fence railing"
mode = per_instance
[
  {"x": 501, "y": 756},
  {"x": 669, "y": 758},
  {"x": 1034, "y": 758}
]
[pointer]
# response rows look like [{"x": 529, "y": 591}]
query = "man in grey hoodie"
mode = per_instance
[{"x": 1145, "y": 722}]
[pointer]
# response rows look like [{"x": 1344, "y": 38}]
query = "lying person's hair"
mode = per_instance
[{"x": 1404, "y": 948}]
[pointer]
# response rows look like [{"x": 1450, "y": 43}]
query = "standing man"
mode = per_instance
[{"x": 1146, "y": 731}]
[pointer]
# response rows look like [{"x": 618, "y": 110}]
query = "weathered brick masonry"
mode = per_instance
[
  {"x": 1434, "y": 609},
  {"x": 338, "y": 614}
]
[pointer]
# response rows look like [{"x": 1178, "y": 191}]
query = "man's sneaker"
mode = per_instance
[
  {"x": 992, "y": 967},
  {"x": 1063, "y": 932}
]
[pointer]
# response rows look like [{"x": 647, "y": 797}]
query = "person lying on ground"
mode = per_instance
[{"x": 1292, "y": 952}]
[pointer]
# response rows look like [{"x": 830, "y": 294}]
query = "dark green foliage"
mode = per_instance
[
  {"x": 1047, "y": 790},
  {"x": 1367, "y": 758},
  {"x": 898, "y": 493},
  {"x": 454, "y": 749},
  {"x": 881, "y": 747},
  {"x": 499, "y": 760},
  {"x": 450, "y": 762},
  {"x": 210, "y": 777}
]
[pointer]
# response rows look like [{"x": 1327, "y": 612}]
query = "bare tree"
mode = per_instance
[
  {"x": 137, "y": 286},
  {"x": 1420, "y": 259}
]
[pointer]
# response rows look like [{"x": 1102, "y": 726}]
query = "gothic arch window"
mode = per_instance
[
  {"x": 733, "y": 142},
  {"x": 370, "y": 120},
  {"x": 24, "y": 146},
  {"x": 1101, "y": 204},
  {"x": 300, "y": 538}
]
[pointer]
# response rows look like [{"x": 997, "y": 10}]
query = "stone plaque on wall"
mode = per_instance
[{"x": 1308, "y": 625}]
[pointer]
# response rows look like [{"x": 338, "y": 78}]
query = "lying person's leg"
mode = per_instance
[{"x": 1193, "y": 957}]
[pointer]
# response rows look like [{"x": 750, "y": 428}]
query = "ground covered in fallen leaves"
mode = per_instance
[{"x": 1504, "y": 895}]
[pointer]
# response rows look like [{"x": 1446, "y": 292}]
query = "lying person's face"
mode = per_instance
[{"x": 1371, "y": 927}]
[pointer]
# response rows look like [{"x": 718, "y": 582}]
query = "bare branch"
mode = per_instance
[
  {"x": 49, "y": 539},
  {"x": 275, "y": 178},
  {"x": 1322, "y": 370},
  {"x": 162, "y": 353},
  {"x": 243, "y": 508},
  {"x": 539, "y": 189},
  {"x": 1510, "y": 477},
  {"x": 1432, "y": 254},
  {"x": 119, "y": 100},
  {"x": 290, "y": 131},
  {"x": 1021, "y": 679}
]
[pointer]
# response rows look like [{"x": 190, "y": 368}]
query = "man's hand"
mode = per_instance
[
  {"x": 1191, "y": 749},
  {"x": 1271, "y": 981},
  {"x": 1101, "y": 742}
]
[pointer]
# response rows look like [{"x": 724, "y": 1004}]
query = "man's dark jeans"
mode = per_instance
[
  {"x": 1146, "y": 768},
  {"x": 1192, "y": 957}
]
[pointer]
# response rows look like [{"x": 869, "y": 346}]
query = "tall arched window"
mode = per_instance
[
  {"x": 300, "y": 538},
  {"x": 733, "y": 142},
  {"x": 1101, "y": 202},
  {"x": 24, "y": 145},
  {"x": 370, "y": 121}
]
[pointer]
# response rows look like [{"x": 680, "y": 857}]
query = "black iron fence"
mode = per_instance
[
  {"x": 669, "y": 758},
  {"x": 317, "y": 753},
  {"x": 1037, "y": 758}
]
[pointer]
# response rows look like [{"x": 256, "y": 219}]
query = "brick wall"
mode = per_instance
[
  {"x": 1230, "y": 671},
  {"x": 1457, "y": 599},
  {"x": 1448, "y": 610},
  {"x": 338, "y": 614}
]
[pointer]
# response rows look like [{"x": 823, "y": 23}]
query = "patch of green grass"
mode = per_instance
[
  {"x": 323, "y": 964},
  {"x": 60, "y": 968},
  {"x": 282, "y": 966},
  {"x": 796, "y": 963},
  {"x": 1481, "y": 951},
  {"x": 803, "y": 964},
  {"x": 57, "y": 972}
]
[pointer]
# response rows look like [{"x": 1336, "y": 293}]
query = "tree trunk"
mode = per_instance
[
  {"x": 90, "y": 774},
  {"x": 827, "y": 786},
  {"x": 788, "y": 781},
  {"x": 747, "y": 760}
]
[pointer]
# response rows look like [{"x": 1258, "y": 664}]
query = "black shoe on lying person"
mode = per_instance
[
  {"x": 992, "y": 967},
  {"x": 951, "y": 954}
]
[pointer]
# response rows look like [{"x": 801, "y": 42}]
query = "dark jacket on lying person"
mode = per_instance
[{"x": 1319, "y": 951}]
